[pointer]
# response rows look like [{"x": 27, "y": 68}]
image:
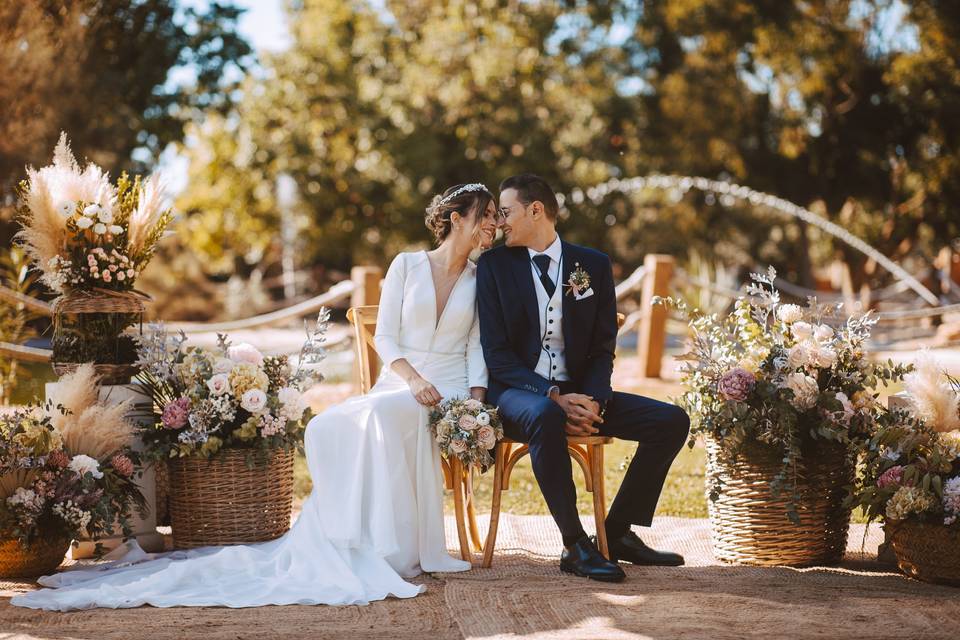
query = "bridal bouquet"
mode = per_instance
[
  {"x": 83, "y": 232},
  {"x": 782, "y": 375},
  {"x": 232, "y": 396},
  {"x": 466, "y": 429},
  {"x": 911, "y": 467},
  {"x": 66, "y": 470}
]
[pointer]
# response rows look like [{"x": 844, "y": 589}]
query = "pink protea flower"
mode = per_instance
[
  {"x": 892, "y": 477},
  {"x": 736, "y": 384},
  {"x": 175, "y": 414},
  {"x": 122, "y": 465},
  {"x": 58, "y": 459}
]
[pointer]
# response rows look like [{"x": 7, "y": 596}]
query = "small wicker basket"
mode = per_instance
[
  {"x": 928, "y": 552},
  {"x": 750, "y": 526},
  {"x": 222, "y": 502},
  {"x": 40, "y": 558}
]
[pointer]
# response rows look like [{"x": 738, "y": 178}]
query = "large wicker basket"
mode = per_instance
[
  {"x": 750, "y": 526},
  {"x": 221, "y": 501},
  {"x": 40, "y": 558},
  {"x": 928, "y": 552}
]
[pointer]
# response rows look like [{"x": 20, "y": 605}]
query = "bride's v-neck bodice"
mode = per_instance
[{"x": 445, "y": 350}]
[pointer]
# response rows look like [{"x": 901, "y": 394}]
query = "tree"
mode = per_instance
[{"x": 99, "y": 70}]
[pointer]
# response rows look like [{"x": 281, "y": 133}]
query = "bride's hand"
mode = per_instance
[{"x": 425, "y": 393}]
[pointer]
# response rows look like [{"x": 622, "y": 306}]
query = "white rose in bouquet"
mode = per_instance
[
  {"x": 805, "y": 390},
  {"x": 92, "y": 210},
  {"x": 245, "y": 352},
  {"x": 799, "y": 356},
  {"x": 66, "y": 208},
  {"x": 222, "y": 365},
  {"x": 291, "y": 402},
  {"x": 104, "y": 216},
  {"x": 84, "y": 464},
  {"x": 790, "y": 313},
  {"x": 823, "y": 333},
  {"x": 219, "y": 384},
  {"x": 483, "y": 418},
  {"x": 84, "y": 223},
  {"x": 99, "y": 228},
  {"x": 822, "y": 357},
  {"x": 801, "y": 330},
  {"x": 254, "y": 401}
]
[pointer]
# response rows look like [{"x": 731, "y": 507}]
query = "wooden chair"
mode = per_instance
[
  {"x": 364, "y": 321},
  {"x": 586, "y": 450}
]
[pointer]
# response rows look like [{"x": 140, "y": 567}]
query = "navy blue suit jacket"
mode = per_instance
[{"x": 510, "y": 330}]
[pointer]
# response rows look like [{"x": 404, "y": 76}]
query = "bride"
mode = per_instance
[{"x": 375, "y": 514}]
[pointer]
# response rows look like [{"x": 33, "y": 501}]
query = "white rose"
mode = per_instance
[
  {"x": 254, "y": 401},
  {"x": 84, "y": 464},
  {"x": 115, "y": 229},
  {"x": 99, "y": 228},
  {"x": 805, "y": 390},
  {"x": 848, "y": 410},
  {"x": 91, "y": 210},
  {"x": 106, "y": 217},
  {"x": 790, "y": 313},
  {"x": 798, "y": 356},
  {"x": 84, "y": 223},
  {"x": 823, "y": 357},
  {"x": 801, "y": 330},
  {"x": 219, "y": 384},
  {"x": 823, "y": 333},
  {"x": 223, "y": 365},
  {"x": 292, "y": 402},
  {"x": 66, "y": 208},
  {"x": 245, "y": 352},
  {"x": 483, "y": 418}
]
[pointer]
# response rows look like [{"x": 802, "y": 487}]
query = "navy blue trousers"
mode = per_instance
[{"x": 659, "y": 429}]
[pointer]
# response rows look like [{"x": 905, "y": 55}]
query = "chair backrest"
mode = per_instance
[{"x": 364, "y": 321}]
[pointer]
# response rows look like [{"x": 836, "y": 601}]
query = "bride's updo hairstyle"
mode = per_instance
[{"x": 469, "y": 200}]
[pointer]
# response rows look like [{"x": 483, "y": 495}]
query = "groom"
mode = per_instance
[{"x": 548, "y": 328}]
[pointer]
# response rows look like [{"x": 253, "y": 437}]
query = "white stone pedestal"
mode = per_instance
[{"x": 144, "y": 528}]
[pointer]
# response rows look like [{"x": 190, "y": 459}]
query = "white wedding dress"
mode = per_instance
[{"x": 375, "y": 516}]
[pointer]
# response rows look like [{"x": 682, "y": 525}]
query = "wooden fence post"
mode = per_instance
[
  {"x": 652, "y": 334},
  {"x": 367, "y": 292}
]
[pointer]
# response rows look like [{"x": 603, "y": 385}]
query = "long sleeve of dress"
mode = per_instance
[
  {"x": 387, "y": 336},
  {"x": 476, "y": 365}
]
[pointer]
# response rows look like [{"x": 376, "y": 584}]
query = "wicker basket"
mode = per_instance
[
  {"x": 41, "y": 558},
  {"x": 749, "y": 526},
  {"x": 928, "y": 552},
  {"x": 221, "y": 502}
]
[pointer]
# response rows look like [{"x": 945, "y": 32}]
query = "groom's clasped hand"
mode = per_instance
[{"x": 583, "y": 413}]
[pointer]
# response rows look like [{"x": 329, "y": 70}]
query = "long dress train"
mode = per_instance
[{"x": 375, "y": 514}]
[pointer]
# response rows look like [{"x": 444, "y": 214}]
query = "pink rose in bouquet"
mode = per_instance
[
  {"x": 892, "y": 477},
  {"x": 458, "y": 446},
  {"x": 175, "y": 414},
  {"x": 467, "y": 422},
  {"x": 736, "y": 384},
  {"x": 245, "y": 352},
  {"x": 487, "y": 437}
]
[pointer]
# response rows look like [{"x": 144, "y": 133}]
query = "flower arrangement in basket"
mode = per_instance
[
  {"x": 910, "y": 477},
  {"x": 229, "y": 417},
  {"x": 90, "y": 240},
  {"x": 66, "y": 472},
  {"x": 782, "y": 394},
  {"x": 466, "y": 429}
]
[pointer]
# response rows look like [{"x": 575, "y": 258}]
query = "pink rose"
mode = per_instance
[
  {"x": 467, "y": 422},
  {"x": 736, "y": 384},
  {"x": 473, "y": 405},
  {"x": 245, "y": 352},
  {"x": 175, "y": 414},
  {"x": 458, "y": 446},
  {"x": 487, "y": 437},
  {"x": 892, "y": 477}
]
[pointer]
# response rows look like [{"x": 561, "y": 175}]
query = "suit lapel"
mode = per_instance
[
  {"x": 570, "y": 260},
  {"x": 524, "y": 278}
]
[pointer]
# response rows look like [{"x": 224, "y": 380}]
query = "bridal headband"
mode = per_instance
[{"x": 467, "y": 188}]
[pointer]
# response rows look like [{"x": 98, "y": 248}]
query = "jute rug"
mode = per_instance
[{"x": 525, "y": 595}]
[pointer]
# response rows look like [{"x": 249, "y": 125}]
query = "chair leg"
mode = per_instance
[
  {"x": 498, "y": 470},
  {"x": 472, "y": 522},
  {"x": 599, "y": 499},
  {"x": 456, "y": 471}
]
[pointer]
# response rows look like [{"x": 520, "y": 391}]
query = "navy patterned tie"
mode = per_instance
[{"x": 543, "y": 265}]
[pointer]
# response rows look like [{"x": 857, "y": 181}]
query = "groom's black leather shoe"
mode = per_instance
[
  {"x": 631, "y": 548},
  {"x": 584, "y": 560}
]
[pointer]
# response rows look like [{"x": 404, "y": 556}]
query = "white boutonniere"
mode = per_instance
[{"x": 579, "y": 282}]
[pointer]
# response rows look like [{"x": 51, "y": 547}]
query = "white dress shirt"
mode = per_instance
[{"x": 551, "y": 364}]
